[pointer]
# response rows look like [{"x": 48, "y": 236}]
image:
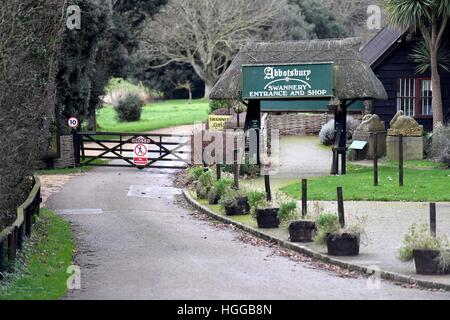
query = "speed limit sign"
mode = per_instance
[{"x": 73, "y": 122}]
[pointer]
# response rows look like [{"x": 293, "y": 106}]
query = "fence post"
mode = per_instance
[
  {"x": 304, "y": 197},
  {"x": 2, "y": 264},
  {"x": 219, "y": 172},
  {"x": 433, "y": 219},
  {"x": 400, "y": 160},
  {"x": 236, "y": 170},
  {"x": 12, "y": 249},
  {"x": 340, "y": 199},
  {"x": 375, "y": 162},
  {"x": 28, "y": 218},
  {"x": 76, "y": 147},
  {"x": 268, "y": 189}
]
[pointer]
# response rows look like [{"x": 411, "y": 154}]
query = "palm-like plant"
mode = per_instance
[
  {"x": 431, "y": 18},
  {"x": 421, "y": 55}
]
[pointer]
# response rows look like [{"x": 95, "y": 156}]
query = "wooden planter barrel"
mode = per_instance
[
  {"x": 267, "y": 218},
  {"x": 241, "y": 207},
  {"x": 302, "y": 231},
  {"x": 427, "y": 263},
  {"x": 342, "y": 245}
]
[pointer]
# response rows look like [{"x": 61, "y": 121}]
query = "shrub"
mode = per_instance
[
  {"x": 326, "y": 223},
  {"x": 327, "y": 136},
  {"x": 441, "y": 144},
  {"x": 194, "y": 173},
  {"x": 288, "y": 211},
  {"x": 256, "y": 200},
  {"x": 206, "y": 180},
  {"x": 222, "y": 186},
  {"x": 129, "y": 108},
  {"x": 219, "y": 104},
  {"x": 229, "y": 199},
  {"x": 419, "y": 238}
]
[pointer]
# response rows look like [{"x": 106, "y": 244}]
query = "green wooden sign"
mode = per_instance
[{"x": 292, "y": 81}]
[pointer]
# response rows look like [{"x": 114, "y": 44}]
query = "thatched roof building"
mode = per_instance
[{"x": 354, "y": 78}]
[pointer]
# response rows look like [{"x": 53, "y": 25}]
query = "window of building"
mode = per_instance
[{"x": 414, "y": 96}]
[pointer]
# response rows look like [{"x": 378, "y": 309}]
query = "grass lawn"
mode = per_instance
[
  {"x": 156, "y": 116},
  {"x": 45, "y": 259},
  {"x": 44, "y": 172},
  {"x": 420, "y": 185}
]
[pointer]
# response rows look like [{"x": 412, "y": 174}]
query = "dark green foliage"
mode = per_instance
[
  {"x": 222, "y": 186},
  {"x": 219, "y": 104},
  {"x": 99, "y": 51},
  {"x": 324, "y": 22},
  {"x": 129, "y": 108},
  {"x": 29, "y": 39},
  {"x": 288, "y": 211},
  {"x": 77, "y": 58}
]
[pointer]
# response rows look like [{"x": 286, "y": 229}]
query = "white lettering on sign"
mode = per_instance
[
  {"x": 272, "y": 73},
  {"x": 141, "y": 140}
]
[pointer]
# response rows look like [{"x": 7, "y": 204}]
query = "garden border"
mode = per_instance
[
  {"x": 14, "y": 234},
  {"x": 386, "y": 275}
]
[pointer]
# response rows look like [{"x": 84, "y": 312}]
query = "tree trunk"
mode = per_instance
[
  {"x": 190, "y": 96},
  {"x": 438, "y": 115},
  {"x": 208, "y": 89}
]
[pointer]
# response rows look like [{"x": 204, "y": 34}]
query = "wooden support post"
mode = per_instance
[
  {"x": 433, "y": 219},
  {"x": 12, "y": 250},
  {"x": 340, "y": 199},
  {"x": 304, "y": 197},
  {"x": 76, "y": 147},
  {"x": 268, "y": 190},
  {"x": 375, "y": 162},
  {"x": 19, "y": 232},
  {"x": 121, "y": 146},
  {"x": 236, "y": 170},
  {"x": 218, "y": 172},
  {"x": 28, "y": 219},
  {"x": 400, "y": 161},
  {"x": 2, "y": 259}
]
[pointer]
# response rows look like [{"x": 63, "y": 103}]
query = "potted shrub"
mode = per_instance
[
  {"x": 431, "y": 254},
  {"x": 219, "y": 189},
  {"x": 305, "y": 229},
  {"x": 340, "y": 241},
  {"x": 265, "y": 215},
  {"x": 204, "y": 184},
  {"x": 235, "y": 203}
]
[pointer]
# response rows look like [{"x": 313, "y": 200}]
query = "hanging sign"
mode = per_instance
[
  {"x": 288, "y": 81},
  {"x": 217, "y": 123}
]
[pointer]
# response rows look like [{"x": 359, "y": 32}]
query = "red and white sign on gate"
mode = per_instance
[{"x": 140, "y": 155}]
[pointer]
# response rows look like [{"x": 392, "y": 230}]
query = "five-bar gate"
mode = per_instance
[{"x": 165, "y": 151}]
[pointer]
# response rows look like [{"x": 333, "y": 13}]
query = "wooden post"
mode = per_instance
[
  {"x": 236, "y": 170},
  {"x": 340, "y": 199},
  {"x": 268, "y": 189},
  {"x": 219, "y": 172},
  {"x": 2, "y": 265},
  {"x": 28, "y": 219},
  {"x": 400, "y": 160},
  {"x": 76, "y": 147},
  {"x": 304, "y": 197},
  {"x": 12, "y": 250},
  {"x": 375, "y": 162},
  {"x": 433, "y": 219}
]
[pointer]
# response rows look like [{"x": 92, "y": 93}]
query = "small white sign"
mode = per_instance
[{"x": 73, "y": 122}]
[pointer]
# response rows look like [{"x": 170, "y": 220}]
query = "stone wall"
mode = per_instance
[
  {"x": 66, "y": 159},
  {"x": 300, "y": 124}
]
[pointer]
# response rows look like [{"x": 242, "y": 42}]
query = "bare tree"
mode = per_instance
[
  {"x": 186, "y": 85},
  {"x": 205, "y": 33}
]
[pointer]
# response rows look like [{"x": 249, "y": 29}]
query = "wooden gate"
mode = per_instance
[{"x": 165, "y": 151}]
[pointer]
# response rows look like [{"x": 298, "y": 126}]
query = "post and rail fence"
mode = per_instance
[{"x": 12, "y": 238}]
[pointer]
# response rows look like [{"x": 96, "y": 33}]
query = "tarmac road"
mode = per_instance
[{"x": 135, "y": 241}]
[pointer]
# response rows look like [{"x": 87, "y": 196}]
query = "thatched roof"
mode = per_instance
[{"x": 354, "y": 78}]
